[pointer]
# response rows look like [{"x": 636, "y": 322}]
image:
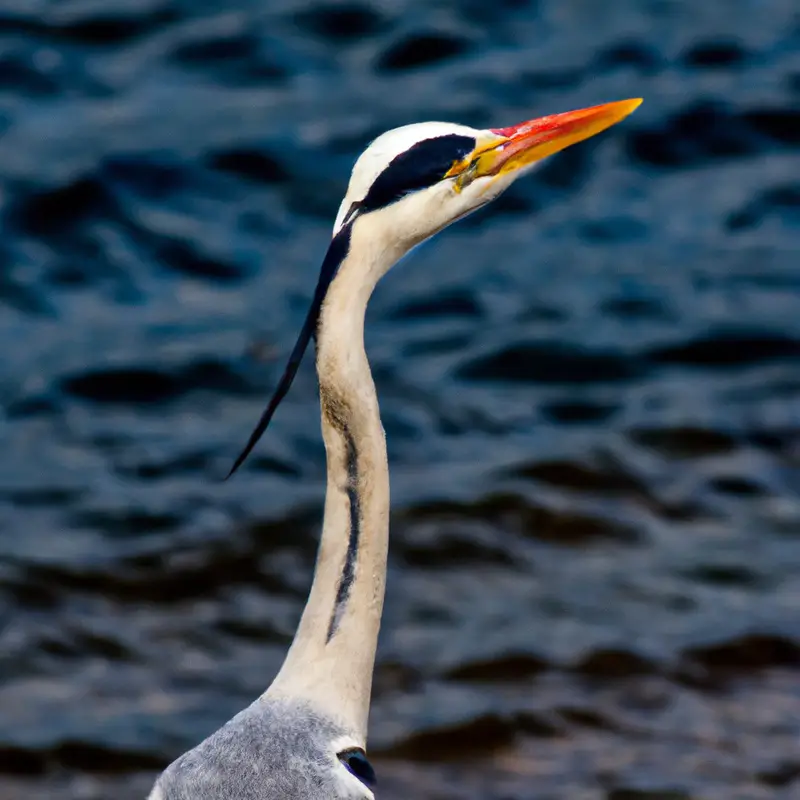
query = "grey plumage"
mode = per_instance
[{"x": 273, "y": 750}]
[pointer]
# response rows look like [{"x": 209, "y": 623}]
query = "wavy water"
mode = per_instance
[{"x": 590, "y": 392}]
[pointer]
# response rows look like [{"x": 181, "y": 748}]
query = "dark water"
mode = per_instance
[{"x": 591, "y": 392}]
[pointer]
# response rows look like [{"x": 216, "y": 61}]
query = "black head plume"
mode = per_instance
[{"x": 333, "y": 258}]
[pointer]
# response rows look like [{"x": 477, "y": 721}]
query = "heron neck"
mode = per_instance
[{"x": 331, "y": 660}]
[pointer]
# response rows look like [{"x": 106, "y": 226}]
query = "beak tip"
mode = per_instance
[{"x": 622, "y": 108}]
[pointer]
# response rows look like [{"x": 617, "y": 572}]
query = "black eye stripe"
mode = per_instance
[{"x": 420, "y": 166}]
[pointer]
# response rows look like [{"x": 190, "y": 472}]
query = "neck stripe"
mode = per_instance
[{"x": 351, "y": 557}]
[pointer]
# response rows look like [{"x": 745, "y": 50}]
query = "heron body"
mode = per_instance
[{"x": 305, "y": 737}]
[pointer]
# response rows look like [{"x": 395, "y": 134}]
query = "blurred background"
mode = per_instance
[{"x": 590, "y": 391}]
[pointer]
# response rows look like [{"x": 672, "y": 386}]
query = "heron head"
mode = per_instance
[{"x": 415, "y": 180}]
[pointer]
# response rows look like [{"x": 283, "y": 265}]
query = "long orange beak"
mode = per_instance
[{"x": 531, "y": 141}]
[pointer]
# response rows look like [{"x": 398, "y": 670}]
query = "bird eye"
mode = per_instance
[
  {"x": 356, "y": 762},
  {"x": 467, "y": 175}
]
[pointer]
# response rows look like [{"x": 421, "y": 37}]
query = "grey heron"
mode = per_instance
[{"x": 305, "y": 737}]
